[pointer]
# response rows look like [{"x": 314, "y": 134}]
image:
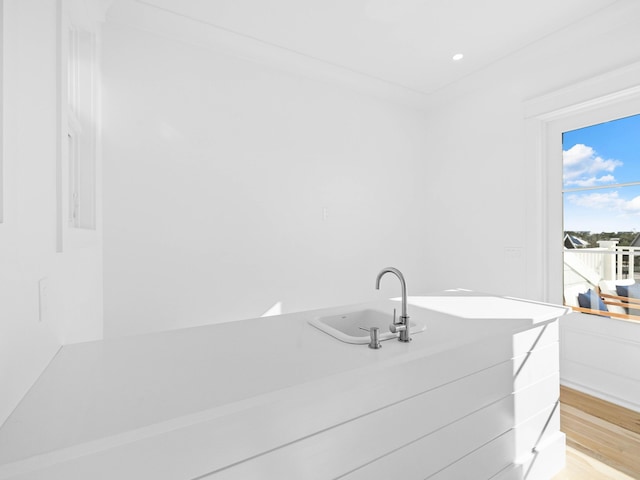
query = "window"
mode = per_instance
[
  {"x": 78, "y": 157},
  {"x": 595, "y": 101},
  {"x": 601, "y": 176},
  {"x": 601, "y": 207},
  {"x": 81, "y": 145}
]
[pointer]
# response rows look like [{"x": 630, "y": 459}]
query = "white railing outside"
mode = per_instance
[
  {"x": 628, "y": 253},
  {"x": 590, "y": 260},
  {"x": 609, "y": 262}
]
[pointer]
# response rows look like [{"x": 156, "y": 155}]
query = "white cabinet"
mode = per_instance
[
  {"x": 472, "y": 397},
  {"x": 495, "y": 420}
]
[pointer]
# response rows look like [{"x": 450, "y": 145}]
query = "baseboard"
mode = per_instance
[{"x": 595, "y": 393}]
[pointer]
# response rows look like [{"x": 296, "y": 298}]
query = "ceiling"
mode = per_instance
[{"x": 408, "y": 43}]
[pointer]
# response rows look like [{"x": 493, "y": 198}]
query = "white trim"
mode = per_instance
[
  {"x": 72, "y": 235},
  {"x": 600, "y": 394},
  {"x": 613, "y": 95},
  {"x": 587, "y": 94},
  {"x": 601, "y": 187},
  {"x": 60, "y": 139},
  {"x": 1, "y": 109}
]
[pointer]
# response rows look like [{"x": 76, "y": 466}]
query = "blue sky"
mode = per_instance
[{"x": 598, "y": 156}]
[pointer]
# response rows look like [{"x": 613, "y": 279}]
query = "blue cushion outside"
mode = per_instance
[
  {"x": 632, "y": 291},
  {"x": 629, "y": 291},
  {"x": 591, "y": 300}
]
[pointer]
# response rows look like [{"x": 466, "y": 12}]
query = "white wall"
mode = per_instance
[
  {"x": 218, "y": 168},
  {"x": 479, "y": 125},
  {"x": 72, "y": 309},
  {"x": 217, "y": 171}
]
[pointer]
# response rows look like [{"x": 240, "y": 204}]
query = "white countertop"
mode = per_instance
[{"x": 101, "y": 390}]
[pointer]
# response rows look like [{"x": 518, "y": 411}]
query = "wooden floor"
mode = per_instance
[
  {"x": 580, "y": 466},
  {"x": 603, "y": 439}
]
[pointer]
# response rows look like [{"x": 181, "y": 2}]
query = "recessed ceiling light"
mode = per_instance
[{"x": 458, "y": 56}]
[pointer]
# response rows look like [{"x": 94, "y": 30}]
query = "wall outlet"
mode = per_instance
[
  {"x": 513, "y": 252},
  {"x": 43, "y": 299}
]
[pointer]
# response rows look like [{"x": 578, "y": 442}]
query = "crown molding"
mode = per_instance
[
  {"x": 603, "y": 89},
  {"x": 150, "y": 18}
]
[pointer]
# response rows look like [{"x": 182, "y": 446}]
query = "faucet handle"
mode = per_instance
[{"x": 397, "y": 327}]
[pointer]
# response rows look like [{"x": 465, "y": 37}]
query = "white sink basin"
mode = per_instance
[{"x": 348, "y": 327}]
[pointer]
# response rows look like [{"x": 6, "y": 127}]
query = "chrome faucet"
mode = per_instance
[{"x": 403, "y": 325}]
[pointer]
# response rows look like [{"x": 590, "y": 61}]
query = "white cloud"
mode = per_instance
[
  {"x": 590, "y": 182},
  {"x": 607, "y": 201},
  {"x": 577, "y": 154},
  {"x": 597, "y": 200},
  {"x": 632, "y": 206},
  {"x": 584, "y": 168}
]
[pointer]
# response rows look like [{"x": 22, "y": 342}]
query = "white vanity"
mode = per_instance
[{"x": 474, "y": 395}]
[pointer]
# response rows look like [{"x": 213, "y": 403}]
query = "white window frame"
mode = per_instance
[
  {"x": 1, "y": 110},
  {"x": 604, "y": 98},
  {"x": 78, "y": 128}
]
